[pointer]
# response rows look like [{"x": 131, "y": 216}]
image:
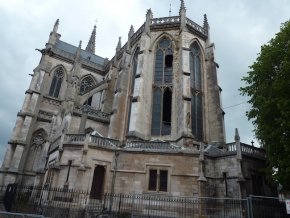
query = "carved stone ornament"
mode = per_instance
[{"x": 38, "y": 139}]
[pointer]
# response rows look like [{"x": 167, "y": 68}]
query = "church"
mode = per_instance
[{"x": 148, "y": 120}]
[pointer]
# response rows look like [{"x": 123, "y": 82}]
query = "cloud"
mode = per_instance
[{"x": 238, "y": 29}]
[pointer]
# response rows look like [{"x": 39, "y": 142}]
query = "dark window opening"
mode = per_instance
[
  {"x": 56, "y": 83},
  {"x": 152, "y": 180},
  {"x": 257, "y": 185},
  {"x": 162, "y": 100},
  {"x": 163, "y": 180},
  {"x": 167, "y": 97},
  {"x": 98, "y": 183},
  {"x": 226, "y": 183},
  {"x": 168, "y": 61},
  {"x": 166, "y": 113},
  {"x": 196, "y": 86},
  {"x": 68, "y": 171},
  {"x": 89, "y": 101}
]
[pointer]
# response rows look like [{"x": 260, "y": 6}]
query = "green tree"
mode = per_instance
[{"x": 268, "y": 86}]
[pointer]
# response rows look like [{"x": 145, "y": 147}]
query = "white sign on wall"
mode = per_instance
[{"x": 287, "y": 202}]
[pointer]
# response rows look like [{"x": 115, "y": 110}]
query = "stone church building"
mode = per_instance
[{"x": 149, "y": 120}]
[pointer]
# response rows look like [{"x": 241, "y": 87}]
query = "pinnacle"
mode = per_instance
[
  {"x": 182, "y": 6},
  {"x": 92, "y": 42},
  {"x": 131, "y": 31},
  {"x": 205, "y": 22},
  {"x": 55, "y": 27},
  {"x": 237, "y": 136},
  {"x": 119, "y": 45}
]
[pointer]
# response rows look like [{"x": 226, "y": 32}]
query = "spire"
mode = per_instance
[
  {"x": 182, "y": 14},
  {"x": 149, "y": 16},
  {"x": 78, "y": 52},
  {"x": 55, "y": 27},
  {"x": 130, "y": 34},
  {"x": 53, "y": 36},
  {"x": 205, "y": 22},
  {"x": 131, "y": 31},
  {"x": 119, "y": 45},
  {"x": 237, "y": 136},
  {"x": 92, "y": 42},
  {"x": 182, "y": 7}
]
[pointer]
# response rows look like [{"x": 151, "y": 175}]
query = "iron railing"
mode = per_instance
[{"x": 64, "y": 202}]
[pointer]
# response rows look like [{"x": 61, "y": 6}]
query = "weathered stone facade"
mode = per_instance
[{"x": 147, "y": 121}]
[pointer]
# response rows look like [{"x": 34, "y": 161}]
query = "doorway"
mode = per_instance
[{"x": 98, "y": 182}]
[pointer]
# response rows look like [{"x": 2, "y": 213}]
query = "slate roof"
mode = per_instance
[{"x": 84, "y": 54}]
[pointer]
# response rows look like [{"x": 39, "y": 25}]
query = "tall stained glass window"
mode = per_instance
[
  {"x": 162, "y": 88},
  {"x": 196, "y": 91}
]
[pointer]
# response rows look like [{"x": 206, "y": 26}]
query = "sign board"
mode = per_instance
[{"x": 287, "y": 202}]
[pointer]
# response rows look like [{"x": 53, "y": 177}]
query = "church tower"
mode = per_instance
[{"x": 167, "y": 83}]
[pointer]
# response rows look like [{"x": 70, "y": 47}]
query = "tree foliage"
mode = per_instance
[{"x": 268, "y": 86}]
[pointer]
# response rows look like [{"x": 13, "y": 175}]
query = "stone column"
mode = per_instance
[
  {"x": 241, "y": 180},
  {"x": 18, "y": 127},
  {"x": 8, "y": 156},
  {"x": 215, "y": 113},
  {"x": 26, "y": 102},
  {"x": 16, "y": 157},
  {"x": 85, "y": 151}
]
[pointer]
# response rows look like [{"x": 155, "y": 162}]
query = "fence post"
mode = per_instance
[
  {"x": 250, "y": 207},
  {"x": 133, "y": 203}
]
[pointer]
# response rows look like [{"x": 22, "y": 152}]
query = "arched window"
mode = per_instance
[
  {"x": 36, "y": 157},
  {"x": 196, "y": 91},
  {"x": 162, "y": 89},
  {"x": 56, "y": 82},
  {"x": 87, "y": 84}
]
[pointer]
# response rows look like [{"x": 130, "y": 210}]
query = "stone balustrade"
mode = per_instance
[
  {"x": 246, "y": 150},
  {"x": 196, "y": 26},
  {"x": 74, "y": 138},
  {"x": 165, "y": 20},
  {"x": 253, "y": 151},
  {"x": 160, "y": 146},
  {"x": 104, "y": 142},
  {"x": 93, "y": 113}
]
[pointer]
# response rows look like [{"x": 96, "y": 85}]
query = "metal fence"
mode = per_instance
[
  {"x": 267, "y": 207},
  {"x": 63, "y": 202}
]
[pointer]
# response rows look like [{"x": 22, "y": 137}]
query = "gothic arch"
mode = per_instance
[
  {"x": 162, "y": 95},
  {"x": 38, "y": 137},
  {"x": 196, "y": 40},
  {"x": 57, "y": 66},
  {"x": 196, "y": 86},
  {"x": 58, "y": 78},
  {"x": 36, "y": 149},
  {"x": 86, "y": 83},
  {"x": 153, "y": 45}
]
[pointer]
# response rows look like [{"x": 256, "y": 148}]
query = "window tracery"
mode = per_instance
[
  {"x": 162, "y": 88},
  {"x": 56, "y": 82},
  {"x": 196, "y": 91},
  {"x": 38, "y": 139},
  {"x": 86, "y": 84}
]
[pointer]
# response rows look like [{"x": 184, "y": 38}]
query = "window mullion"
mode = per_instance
[
  {"x": 158, "y": 180},
  {"x": 161, "y": 110}
]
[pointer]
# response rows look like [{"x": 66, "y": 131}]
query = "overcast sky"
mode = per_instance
[{"x": 238, "y": 28}]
